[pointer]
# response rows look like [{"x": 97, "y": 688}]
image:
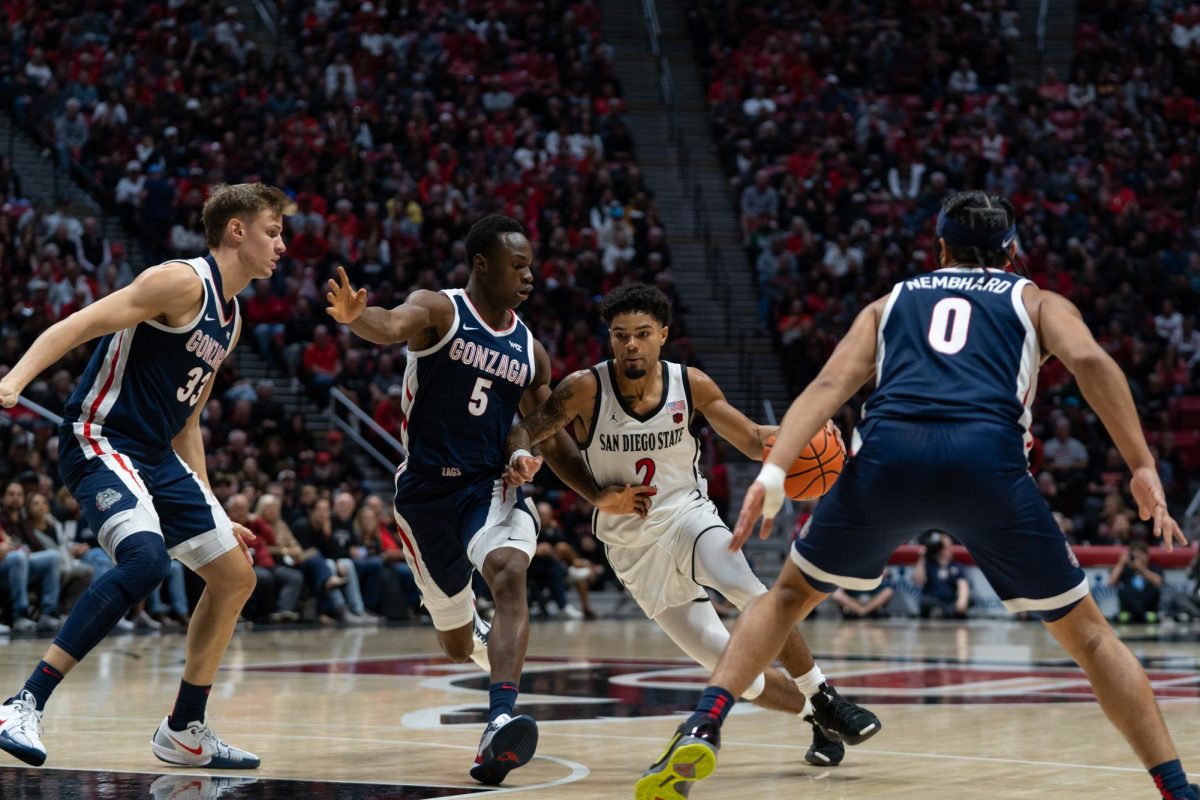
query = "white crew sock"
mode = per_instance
[{"x": 810, "y": 682}]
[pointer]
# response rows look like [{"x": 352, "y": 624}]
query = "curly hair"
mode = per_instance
[
  {"x": 983, "y": 212},
  {"x": 636, "y": 297}
]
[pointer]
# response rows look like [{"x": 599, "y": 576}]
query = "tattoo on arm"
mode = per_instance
[{"x": 550, "y": 418}]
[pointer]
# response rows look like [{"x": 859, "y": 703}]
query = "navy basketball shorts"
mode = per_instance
[
  {"x": 448, "y": 526},
  {"x": 121, "y": 494},
  {"x": 970, "y": 480}
]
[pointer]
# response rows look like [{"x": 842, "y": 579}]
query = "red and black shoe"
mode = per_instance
[{"x": 507, "y": 743}]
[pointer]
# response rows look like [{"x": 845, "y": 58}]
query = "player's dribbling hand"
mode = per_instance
[
  {"x": 8, "y": 393},
  {"x": 521, "y": 470},
  {"x": 345, "y": 304},
  {"x": 1152, "y": 504},
  {"x": 243, "y": 535},
  {"x": 626, "y": 500}
]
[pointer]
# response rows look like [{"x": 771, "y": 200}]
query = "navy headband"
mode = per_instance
[{"x": 954, "y": 231}]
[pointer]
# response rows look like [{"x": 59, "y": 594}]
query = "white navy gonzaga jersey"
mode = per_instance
[
  {"x": 658, "y": 448},
  {"x": 462, "y": 394},
  {"x": 143, "y": 383},
  {"x": 957, "y": 345}
]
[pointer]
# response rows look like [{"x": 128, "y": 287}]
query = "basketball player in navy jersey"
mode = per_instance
[
  {"x": 635, "y": 419},
  {"x": 131, "y": 453},
  {"x": 943, "y": 445},
  {"x": 472, "y": 365}
]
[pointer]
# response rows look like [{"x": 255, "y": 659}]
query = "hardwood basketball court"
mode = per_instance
[{"x": 985, "y": 709}]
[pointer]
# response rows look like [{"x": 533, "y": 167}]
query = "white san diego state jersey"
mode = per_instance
[{"x": 657, "y": 449}]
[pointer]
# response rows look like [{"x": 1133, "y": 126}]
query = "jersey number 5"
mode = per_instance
[
  {"x": 191, "y": 391},
  {"x": 479, "y": 399},
  {"x": 949, "y": 325},
  {"x": 648, "y": 463}
]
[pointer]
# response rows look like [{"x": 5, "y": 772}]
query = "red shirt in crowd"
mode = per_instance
[{"x": 322, "y": 359}]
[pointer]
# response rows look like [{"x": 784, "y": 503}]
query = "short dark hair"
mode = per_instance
[
  {"x": 228, "y": 201},
  {"x": 983, "y": 212},
  {"x": 485, "y": 235},
  {"x": 636, "y": 297}
]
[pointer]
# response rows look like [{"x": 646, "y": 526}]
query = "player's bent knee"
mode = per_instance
[
  {"x": 505, "y": 574},
  {"x": 457, "y": 644},
  {"x": 755, "y": 690},
  {"x": 143, "y": 562}
]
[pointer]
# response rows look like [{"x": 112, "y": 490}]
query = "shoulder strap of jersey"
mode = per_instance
[
  {"x": 453, "y": 329},
  {"x": 209, "y": 294},
  {"x": 880, "y": 342},
  {"x": 596, "y": 403}
]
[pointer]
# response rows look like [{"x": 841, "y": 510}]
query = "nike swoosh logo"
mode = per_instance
[
  {"x": 194, "y": 751},
  {"x": 2, "y": 721},
  {"x": 470, "y": 328},
  {"x": 210, "y": 319}
]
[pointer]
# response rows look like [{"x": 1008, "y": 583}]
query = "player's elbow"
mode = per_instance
[{"x": 1087, "y": 361}]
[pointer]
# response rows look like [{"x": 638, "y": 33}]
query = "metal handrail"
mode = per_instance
[
  {"x": 40, "y": 410},
  {"x": 268, "y": 19},
  {"x": 1043, "y": 13},
  {"x": 1192, "y": 512},
  {"x": 353, "y": 430}
]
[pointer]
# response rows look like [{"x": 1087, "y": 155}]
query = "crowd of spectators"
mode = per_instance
[
  {"x": 844, "y": 125},
  {"x": 394, "y": 127}
]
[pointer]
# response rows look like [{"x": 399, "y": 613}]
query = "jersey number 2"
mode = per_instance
[
  {"x": 949, "y": 325},
  {"x": 190, "y": 392},
  {"x": 479, "y": 399},
  {"x": 648, "y": 463}
]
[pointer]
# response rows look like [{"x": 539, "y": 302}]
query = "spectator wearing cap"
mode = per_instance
[
  {"x": 70, "y": 133},
  {"x": 129, "y": 190}
]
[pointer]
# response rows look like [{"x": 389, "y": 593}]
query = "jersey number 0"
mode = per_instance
[{"x": 949, "y": 325}]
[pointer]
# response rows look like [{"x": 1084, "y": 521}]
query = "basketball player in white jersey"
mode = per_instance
[{"x": 634, "y": 421}]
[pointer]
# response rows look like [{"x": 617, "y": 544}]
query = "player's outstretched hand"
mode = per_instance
[
  {"x": 626, "y": 500},
  {"x": 1152, "y": 504},
  {"x": 243, "y": 535},
  {"x": 345, "y": 304},
  {"x": 521, "y": 470},
  {"x": 8, "y": 393},
  {"x": 752, "y": 509}
]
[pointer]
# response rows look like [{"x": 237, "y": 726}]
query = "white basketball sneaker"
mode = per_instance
[
  {"x": 197, "y": 746},
  {"x": 507, "y": 743},
  {"x": 480, "y": 654},
  {"x": 194, "y": 787},
  {"x": 21, "y": 729}
]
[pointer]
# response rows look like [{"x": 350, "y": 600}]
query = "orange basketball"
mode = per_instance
[{"x": 818, "y": 467}]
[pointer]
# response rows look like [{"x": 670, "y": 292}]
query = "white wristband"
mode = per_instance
[
  {"x": 519, "y": 454},
  {"x": 771, "y": 477}
]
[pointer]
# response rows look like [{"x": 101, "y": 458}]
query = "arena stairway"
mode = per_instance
[
  {"x": 295, "y": 398},
  {"x": 676, "y": 151},
  {"x": 44, "y": 181}
]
